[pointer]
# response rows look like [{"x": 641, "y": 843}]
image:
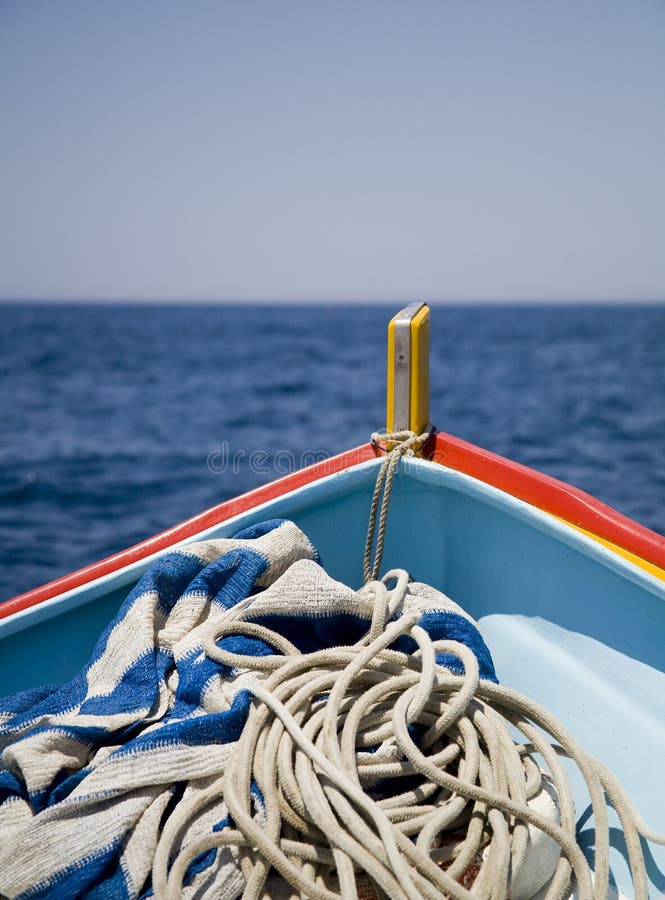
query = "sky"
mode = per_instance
[{"x": 450, "y": 151}]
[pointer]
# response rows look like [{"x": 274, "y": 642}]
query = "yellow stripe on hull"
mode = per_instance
[{"x": 643, "y": 564}]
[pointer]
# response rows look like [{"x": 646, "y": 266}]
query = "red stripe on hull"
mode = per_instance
[
  {"x": 540, "y": 490},
  {"x": 551, "y": 495},
  {"x": 190, "y": 527}
]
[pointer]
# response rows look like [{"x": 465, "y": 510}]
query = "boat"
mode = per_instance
[{"x": 568, "y": 593}]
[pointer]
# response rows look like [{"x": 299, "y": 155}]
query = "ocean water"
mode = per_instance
[{"x": 118, "y": 421}]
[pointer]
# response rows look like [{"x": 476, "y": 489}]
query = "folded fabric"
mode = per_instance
[{"x": 91, "y": 770}]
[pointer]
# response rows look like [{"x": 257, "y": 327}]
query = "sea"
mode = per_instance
[{"x": 117, "y": 421}]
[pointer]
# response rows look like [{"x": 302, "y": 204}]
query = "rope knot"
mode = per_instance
[{"x": 406, "y": 443}]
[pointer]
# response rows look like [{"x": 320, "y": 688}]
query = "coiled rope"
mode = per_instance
[
  {"x": 352, "y": 798},
  {"x": 384, "y": 774}
]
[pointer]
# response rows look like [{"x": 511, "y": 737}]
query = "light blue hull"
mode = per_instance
[{"x": 569, "y": 623}]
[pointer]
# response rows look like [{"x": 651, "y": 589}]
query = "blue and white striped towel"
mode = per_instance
[{"x": 91, "y": 769}]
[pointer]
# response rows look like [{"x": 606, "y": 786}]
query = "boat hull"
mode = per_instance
[{"x": 570, "y": 621}]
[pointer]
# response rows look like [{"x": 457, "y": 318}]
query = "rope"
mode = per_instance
[
  {"x": 406, "y": 443},
  {"x": 382, "y": 773}
]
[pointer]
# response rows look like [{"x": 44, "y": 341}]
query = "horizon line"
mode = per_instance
[{"x": 331, "y": 301}]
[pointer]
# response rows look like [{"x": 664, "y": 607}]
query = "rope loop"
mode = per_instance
[
  {"x": 404, "y": 443},
  {"x": 365, "y": 771}
]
